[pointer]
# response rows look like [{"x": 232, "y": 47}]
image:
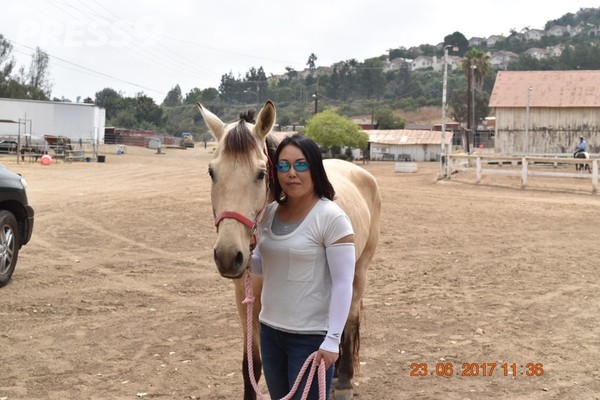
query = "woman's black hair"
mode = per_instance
[{"x": 312, "y": 153}]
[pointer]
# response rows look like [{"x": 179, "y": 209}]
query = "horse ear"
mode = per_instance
[
  {"x": 265, "y": 120},
  {"x": 213, "y": 123}
]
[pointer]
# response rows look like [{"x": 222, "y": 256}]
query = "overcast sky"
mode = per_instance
[{"x": 150, "y": 46}]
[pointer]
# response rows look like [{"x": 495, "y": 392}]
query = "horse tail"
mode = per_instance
[
  {"x": 356, "y": 340},
  {"x": 350, "y": 341}
]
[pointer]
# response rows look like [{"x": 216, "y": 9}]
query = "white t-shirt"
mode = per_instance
[{"x": 297, "y": 284}]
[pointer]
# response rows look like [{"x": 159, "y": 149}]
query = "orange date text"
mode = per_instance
[{"x": 449, "y": 369}]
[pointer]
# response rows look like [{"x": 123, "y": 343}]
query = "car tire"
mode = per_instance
[{"x": 9, "y": 246}]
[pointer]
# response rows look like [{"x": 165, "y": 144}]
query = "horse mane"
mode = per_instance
[
  {"x": 248, "y": 116},
  {"x": 271, "y": 143},
  {"x": 240, "y": 141}
]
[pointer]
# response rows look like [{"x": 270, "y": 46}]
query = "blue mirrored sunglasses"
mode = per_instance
[{"x": 299, "y": 166}]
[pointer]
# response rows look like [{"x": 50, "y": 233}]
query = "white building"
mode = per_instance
[
  {"x": 38, "y": 118},
  {"x": 406, "y": 144}
]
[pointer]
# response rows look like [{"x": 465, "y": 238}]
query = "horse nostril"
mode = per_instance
[
  {"x": 239, "y": 258},
  {"x": 215, "y": 256}
]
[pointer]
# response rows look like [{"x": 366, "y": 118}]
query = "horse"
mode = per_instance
[
  {"x": 583, "y": 167},
  {"x": 240, "y": 172}
]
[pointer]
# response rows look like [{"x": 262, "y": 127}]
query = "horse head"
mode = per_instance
[{"x": 239, "y": 172}]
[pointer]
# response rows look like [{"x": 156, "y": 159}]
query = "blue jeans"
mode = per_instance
[{"x": 283, "y": 355}]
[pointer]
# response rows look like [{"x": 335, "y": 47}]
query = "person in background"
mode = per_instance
[
  {"x": 306, "y": 256},
  {"x": 581, "y": 146}
]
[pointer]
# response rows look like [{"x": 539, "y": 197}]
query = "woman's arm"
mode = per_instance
[{"x": 341, "y": 259}]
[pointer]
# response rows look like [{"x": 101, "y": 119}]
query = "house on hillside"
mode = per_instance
[
  {"x": 476, "y": 41},
  {"x": 555, "y": 51},
  {"x": 558, "y": 30},
  {"x": 494, "y": 39},
  {"x": 453, "y": 63},
  {"x": 516, "y": 37},
  {"x": 541, "y": 112},
  {"x": 501, "y": 59},
  {"x": 422, "y": 62},
  {"x": 395, "y": 65},
  {"x": 534, "y": 34},
  {"x": 536, "y": 53},
  {"x": 406, "y": 145}
]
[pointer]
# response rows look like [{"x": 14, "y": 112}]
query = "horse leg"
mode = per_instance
[
  {"x": 348, "y": 361},
  {"x": 240, "y": 295}
]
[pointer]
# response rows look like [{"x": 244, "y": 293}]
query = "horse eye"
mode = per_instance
[{"x": 261, "y": 175}]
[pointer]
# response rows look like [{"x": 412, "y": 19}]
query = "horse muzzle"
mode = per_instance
[{"x": 230, "y": 264}]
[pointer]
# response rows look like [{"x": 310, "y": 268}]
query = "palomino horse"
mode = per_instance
[
  {"x": 240, "y": 172},
  {"x": 583, "y": 167}
]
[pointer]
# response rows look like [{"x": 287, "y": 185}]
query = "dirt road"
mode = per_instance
[{"x": 117, "y": 297}]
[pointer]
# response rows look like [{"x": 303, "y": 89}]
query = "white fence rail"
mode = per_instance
[{"x": 461, "y": 162}]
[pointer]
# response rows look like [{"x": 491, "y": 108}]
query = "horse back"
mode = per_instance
[{"x": 357, "y": 193}]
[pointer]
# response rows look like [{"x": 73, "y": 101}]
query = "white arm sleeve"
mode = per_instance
[
  {"x": 256, "y": 262},
  {"x": 341, "y": 258}
]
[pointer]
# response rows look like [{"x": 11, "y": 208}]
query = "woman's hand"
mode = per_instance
[{"x": 327, "y": 356}]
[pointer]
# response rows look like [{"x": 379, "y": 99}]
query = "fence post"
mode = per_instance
[
  {"x": 524, "y": 173},
  {"x": 478, "y": 170},
  {"x": 595, "y": 176}
]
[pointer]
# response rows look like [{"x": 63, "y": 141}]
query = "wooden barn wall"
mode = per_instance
[{"x": 551, "y": 130}]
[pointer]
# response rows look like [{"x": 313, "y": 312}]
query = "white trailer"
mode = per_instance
[{"x": 80, "y": 122}]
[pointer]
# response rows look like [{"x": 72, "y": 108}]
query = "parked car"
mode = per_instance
[{"x": 16, "y": 221}]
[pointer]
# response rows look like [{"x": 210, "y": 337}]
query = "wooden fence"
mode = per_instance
[{"x": 461, "y": 162}]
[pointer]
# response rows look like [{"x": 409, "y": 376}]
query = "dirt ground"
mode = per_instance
[{"x": 116, "y": 296}]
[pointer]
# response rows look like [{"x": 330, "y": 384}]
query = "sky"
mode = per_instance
[{"x": 135, "y": 46}]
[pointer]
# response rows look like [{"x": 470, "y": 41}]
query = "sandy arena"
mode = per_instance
[{"x": 117, "y": 297}]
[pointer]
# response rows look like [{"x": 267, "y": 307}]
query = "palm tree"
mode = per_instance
[{"x": 476, "y": 65}]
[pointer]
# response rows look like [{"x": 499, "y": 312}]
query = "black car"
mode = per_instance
[{"x": 16, "y": 221}]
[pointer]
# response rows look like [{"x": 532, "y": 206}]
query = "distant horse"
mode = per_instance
[
  {"x": 240, "y": 172},
  {"x": 583, "y": 167}
]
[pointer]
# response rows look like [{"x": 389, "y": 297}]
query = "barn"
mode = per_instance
[
  {"x": 77, "y": 121},
  {"x": 406, "y": 144},
  {"x": 545, "y": 112}
]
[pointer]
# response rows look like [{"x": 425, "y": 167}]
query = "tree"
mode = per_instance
[
  {"x": 110, "y": 100},
  {"x": 290, "y": 73},
  {"x": 38, "y": 79},
  {"x": 311, "y": 62},
  {"x": 203, "y": 96},
  {"x": 476, "y": 65},
  {"x": 459, "y": 40},
  {"x": 124, "y": 119},
  {"x": 174, "y": 97},
  {"x": 458, "y": 106},
  {"x": 146, "y": 110},
  {"x": 230, "y": 88},
  {"x": 330, "y": 129},
  {"x": 256, "y": 82},
  {"x": 7, "y": 64},
  {"x": 386, "y": 119},
  {"x": 371, "y": 78}
]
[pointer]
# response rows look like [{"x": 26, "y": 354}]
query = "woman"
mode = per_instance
[{"x": 306, "y": 256}]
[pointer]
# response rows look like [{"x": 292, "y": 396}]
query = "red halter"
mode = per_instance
[{"x": 238, "y": 217}]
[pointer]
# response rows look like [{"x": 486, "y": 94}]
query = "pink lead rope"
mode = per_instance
[{"x": 249, "y": 301}]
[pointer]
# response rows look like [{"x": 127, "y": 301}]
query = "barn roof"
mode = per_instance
[
  {"x": 407, "y": 137},
  {"x": 548, "y": 89}
]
